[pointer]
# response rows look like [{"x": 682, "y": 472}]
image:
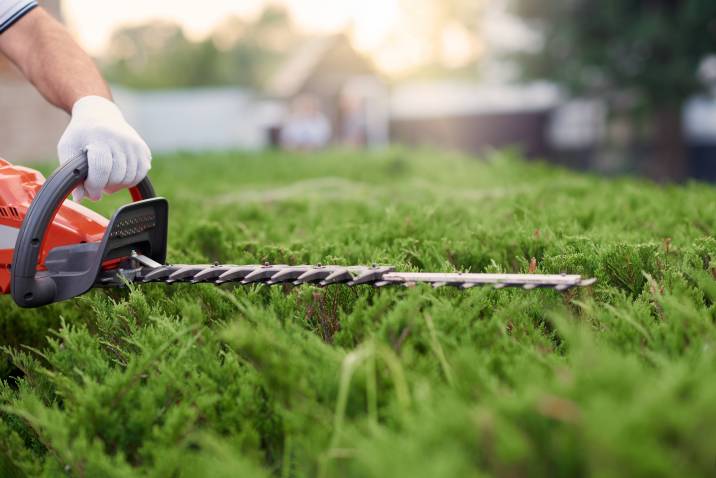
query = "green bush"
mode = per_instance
[{"x": 612, "y": 380}]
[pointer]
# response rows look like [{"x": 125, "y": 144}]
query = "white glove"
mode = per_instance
[{"x": 117, "y": 156}]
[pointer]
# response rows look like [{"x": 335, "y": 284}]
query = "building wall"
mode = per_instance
[
  {"x": 476, "y": 133},
  {"x": 29, "y": 126},
  {"x": 197, "y": 119}
]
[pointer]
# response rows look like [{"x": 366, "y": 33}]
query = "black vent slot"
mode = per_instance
[
  {"x": 9, "y": 211},
  {"x": 127, "y": 227}
]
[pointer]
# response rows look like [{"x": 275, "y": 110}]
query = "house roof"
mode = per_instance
[
  {"x": 297, "y": 69},
  {"x": 322, "y": 62}
]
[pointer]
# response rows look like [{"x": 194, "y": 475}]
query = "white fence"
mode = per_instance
[{"x": 198, "y": 118}]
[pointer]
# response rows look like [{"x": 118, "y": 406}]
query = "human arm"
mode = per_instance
[
  {"x": 47, "y": 55},
  {"x": 51, "y": 60}
]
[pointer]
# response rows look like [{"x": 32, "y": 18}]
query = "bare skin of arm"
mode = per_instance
[{"x": 52, "y": 61}]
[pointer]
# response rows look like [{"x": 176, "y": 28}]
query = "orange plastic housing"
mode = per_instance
[{"x": 73, "y": 223}]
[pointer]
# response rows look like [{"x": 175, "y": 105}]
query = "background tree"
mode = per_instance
[
  {"x": 159, "y": 55},
  {"x": 647, "y": 51}
]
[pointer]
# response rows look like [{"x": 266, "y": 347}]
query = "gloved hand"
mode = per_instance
[{"x": 117, "y": 156}]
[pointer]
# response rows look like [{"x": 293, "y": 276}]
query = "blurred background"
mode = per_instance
[{"x": 616, "y": 86}]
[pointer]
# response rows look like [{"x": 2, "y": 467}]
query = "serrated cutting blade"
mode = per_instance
[{"x": 326, "y": 275}]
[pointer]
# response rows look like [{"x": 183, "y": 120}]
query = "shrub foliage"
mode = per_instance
[{"x": 229, "y": 381}]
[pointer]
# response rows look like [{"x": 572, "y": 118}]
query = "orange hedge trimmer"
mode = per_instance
[{"x": 53, "y": 249}]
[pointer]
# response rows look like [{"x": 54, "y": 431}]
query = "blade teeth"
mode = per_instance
[
  {"x": 371, "y": 274},
  {"x": 159, "y": 273},
  {"x": 337, "y": 276},
  {"x": 317, "y": 274},
  {"x": 185, "y": 273},
  {"x": 236, "y": 273},
  {"x": 262, "y": 274},
  {"x": 209, "y": 274},
  {"x": 288, "y": 274}
]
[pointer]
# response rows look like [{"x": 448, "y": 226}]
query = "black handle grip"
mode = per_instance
[{"x": 29, "y": 287}]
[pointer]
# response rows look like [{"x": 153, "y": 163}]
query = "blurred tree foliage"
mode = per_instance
[
  {"x": 239, "y": 52},
  {"x": 645, "y": 51}
]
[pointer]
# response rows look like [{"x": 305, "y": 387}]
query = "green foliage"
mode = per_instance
[
  {"x": 187, "y": 380},
  {"x": 649, "y": 47}
]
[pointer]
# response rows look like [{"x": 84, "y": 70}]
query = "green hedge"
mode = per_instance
[{"x": 613, "y": 380}]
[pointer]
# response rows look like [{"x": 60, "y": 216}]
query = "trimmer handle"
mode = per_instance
[{"x": 29, "y": 287}]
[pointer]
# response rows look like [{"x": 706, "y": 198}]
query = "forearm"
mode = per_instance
[{"x": 51, "y": 60}]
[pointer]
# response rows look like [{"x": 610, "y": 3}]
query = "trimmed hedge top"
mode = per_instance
[{"x": 229, "y": 381}]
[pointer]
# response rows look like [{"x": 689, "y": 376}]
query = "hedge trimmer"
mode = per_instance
[{"x": 53, "y": 249}]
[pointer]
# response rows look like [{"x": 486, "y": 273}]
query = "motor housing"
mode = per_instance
[{"x": 72, "y": 224}]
